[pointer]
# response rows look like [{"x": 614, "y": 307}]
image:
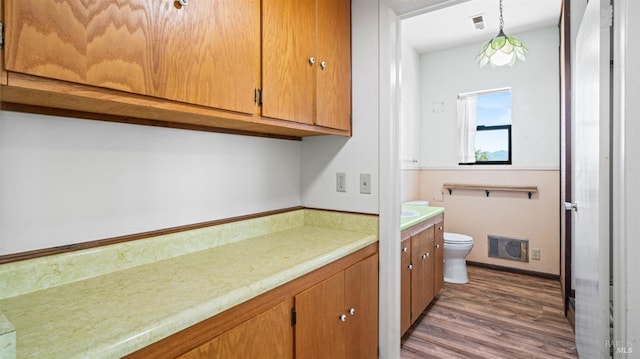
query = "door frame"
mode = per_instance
[{"x": 566, "y": 93}]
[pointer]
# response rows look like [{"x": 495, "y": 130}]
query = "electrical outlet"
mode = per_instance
[
  {"x": 535, "y": 254},
  {"x": 365, "y": 183},
  {"x": 341, "y": 182}
]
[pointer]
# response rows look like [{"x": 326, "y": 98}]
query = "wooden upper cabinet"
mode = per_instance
[
  {"x": 206, "y": 53},
  {"x": 277, "y": 67},
  {"x": 288, "y": 51},
  {"x": 46, "y": 38},
  {"x": 211, "y": 53},
  {"x": 306, "y": 65},
  {"x": 334, "y": 64}
]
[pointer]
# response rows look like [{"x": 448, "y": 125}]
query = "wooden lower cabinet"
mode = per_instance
[
  {"x": 331, "y": 312},
  {"x": 405, "y": 285},
  {"x": 421, "y": 273},
  {"x": 338, "y": 318},
  {"x": 438, "y": 251},
  {"x": 422, "y": 276},
  {"x": 267, "y": 335}
]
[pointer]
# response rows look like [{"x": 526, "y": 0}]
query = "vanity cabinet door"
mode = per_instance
[
  {"x": 422, "y": 272},
  {"x": 438, "y": 272},
  {"x": 405, "y": 285}
]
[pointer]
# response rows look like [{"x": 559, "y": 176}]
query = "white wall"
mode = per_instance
[
  {"x": 66, "y": 181},
  {"x": 535, "y": 100},
  {"x": 409, "y": 106},
  {"x": 324, "y": 156}
]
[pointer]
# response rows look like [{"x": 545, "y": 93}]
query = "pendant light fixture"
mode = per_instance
[{"x": 502, "y": 49}]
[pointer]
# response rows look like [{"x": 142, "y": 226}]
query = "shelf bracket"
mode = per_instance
[
  {"x": 450, "y": 191},
  {"x": 530, "y": 194},
  {"x": 487, "y": 192}
]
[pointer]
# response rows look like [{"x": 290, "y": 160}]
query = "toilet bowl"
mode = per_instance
[{"x": 456, "y": 248}]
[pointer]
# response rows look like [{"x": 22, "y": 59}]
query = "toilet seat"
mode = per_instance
[{"x": 456, "y": 238}]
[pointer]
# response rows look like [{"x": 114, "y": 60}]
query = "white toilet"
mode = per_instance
[{"x": 456, "y": 248}]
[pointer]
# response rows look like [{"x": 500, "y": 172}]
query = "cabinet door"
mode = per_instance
[
  {"x": 422, "y": 274},
  {"x": 205, "y": 53},
  {"x": 288, "y": 44},
  {"x": 334, "y": 64},
  {"x": 361, "y": 299},
  {"x": 405, "y": 286},
  {"x": 210, "y": 53},
  {"x": 268, "y": 335},
  {"x": 46, "y": 38},
  {"x": 319, "y": 331},
  {"x": 438, "y": 271}
]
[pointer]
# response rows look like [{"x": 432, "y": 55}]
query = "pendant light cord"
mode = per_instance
[{"x": 501, "y": 20}]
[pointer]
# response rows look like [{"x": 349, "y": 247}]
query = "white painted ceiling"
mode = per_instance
[{"x": 430, "y": 25}]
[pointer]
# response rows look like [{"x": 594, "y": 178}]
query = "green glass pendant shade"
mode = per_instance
[{"x": 502, "y": 49}]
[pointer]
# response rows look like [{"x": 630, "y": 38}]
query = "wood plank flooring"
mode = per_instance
[{"x": 496, "y": 315}]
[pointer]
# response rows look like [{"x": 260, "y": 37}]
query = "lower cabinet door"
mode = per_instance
[
  {"x": 438, "y": 258},
  {"x": 321, "y": 320},
  {"x": 268, "y": 335},
  {"x": 361, "y": 299},
  {"x": 338, "y": 318},
  {"x": 405, "y": 291}
]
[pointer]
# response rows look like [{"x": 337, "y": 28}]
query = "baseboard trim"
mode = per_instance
[{"x": 514, "y": 270}]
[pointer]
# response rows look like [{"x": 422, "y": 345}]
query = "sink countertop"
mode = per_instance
[
  {"x": 424, "y": 213},
  {"x": 116, "y": 313}
]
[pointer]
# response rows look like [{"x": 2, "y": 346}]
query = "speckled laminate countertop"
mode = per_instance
[
  {"x": 117, "y": 312},
  {"x": 423, "y": 213}
]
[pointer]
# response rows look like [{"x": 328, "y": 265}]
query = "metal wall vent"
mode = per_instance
[
  {"x": 516, "y": 249},
  {"x": 478, "y": 21}
]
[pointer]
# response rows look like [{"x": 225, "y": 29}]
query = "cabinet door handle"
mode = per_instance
[
  {"x": 404, "y": 249},
  {"x": 352, "y": 311},
  {"x": 343, "y": 318},
  {"x": 312, "y": 60},
  {"x": 437, "y": 246},
  {"x": 440, "y": 228},
  {"x": 410, "y": 266},
  {"x": 183, "y": 2},
  {"x": 427, "y": 254},
  {"x": 424, "y": 255},
  {"x": 323, "y": 64}
]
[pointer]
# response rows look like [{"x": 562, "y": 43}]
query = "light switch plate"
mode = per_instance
[
  {"x": 365, "y": 183},
  {"x": 341, "y": 182}
]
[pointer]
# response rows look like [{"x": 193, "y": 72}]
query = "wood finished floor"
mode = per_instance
[{"x": 495, "y": 315}]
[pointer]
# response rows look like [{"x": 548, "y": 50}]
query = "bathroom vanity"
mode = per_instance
[{"x": 422, "y": 249}]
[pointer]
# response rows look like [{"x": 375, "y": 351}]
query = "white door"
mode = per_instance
[{"x": 590, "y": 173}]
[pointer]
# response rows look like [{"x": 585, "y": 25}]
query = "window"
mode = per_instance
[{"x": 485, "y": 127}]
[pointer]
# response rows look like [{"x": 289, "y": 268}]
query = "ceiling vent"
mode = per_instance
[{"x": 478, "y": 21}]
